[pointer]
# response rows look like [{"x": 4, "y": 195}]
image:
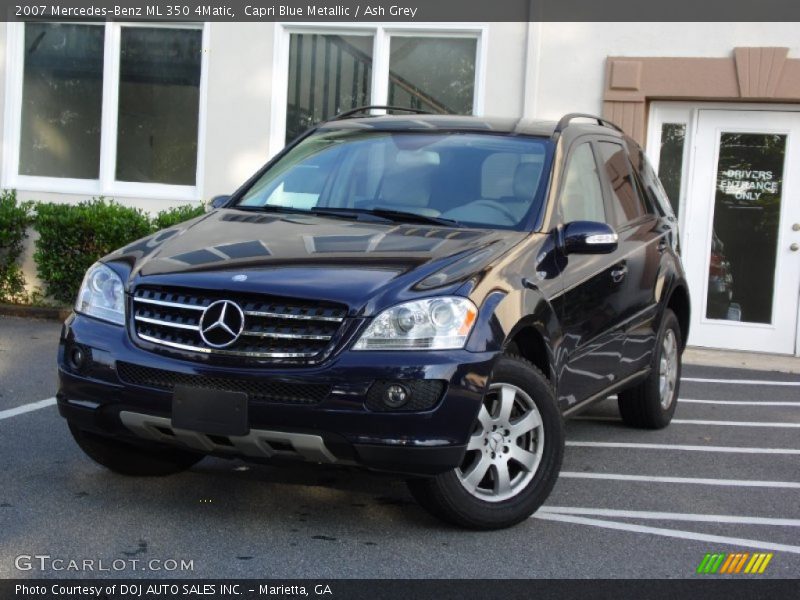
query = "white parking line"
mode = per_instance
[
  {"x": 735, "y": 423},
  {"x": 741, "y": 381},
  {"x": 26, "y": 408},
  {"x": 739, "y": 402},
  {"x": 789, "y": 485},
  {"x": 729, "y": 449},
  {"x": 698, "y": 422},
  {"x": 670, "y": 516},
  {"x": 674, "y": 533}
]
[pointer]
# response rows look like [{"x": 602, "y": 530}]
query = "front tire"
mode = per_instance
[
  {"x": 651, "y": 403},
  {"x": 129, "y": 459},
  {"x": 513, "y": 455}
]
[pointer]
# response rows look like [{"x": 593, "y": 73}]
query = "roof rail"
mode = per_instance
[
  {"x": 565, "y": 120},
  {"x": 362, "y": 109}
]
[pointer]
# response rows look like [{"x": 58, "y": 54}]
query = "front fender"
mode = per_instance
[{"x": 504, "y": 314}]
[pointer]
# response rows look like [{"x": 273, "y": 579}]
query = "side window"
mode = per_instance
[
  {"x": 627, "y": 203},
  {"x": 581, "y": 196}
]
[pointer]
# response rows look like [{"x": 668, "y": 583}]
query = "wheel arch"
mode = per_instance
[
  {"x": 530, "y": 329},
  {"x": 679, "y": 303}
]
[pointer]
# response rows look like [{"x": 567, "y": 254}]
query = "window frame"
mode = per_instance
[
  {"x": 381, "y": 34},
  {"x": 106, "y": 184}
]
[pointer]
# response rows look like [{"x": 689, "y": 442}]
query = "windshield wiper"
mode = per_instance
[
  {"x": 384, "y": 214},
  {"x": 269, "y": 208},
  {"x": 402, "y": 215},
  {"x": 276, "y": 208}
]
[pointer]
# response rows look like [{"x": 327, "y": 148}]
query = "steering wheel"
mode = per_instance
[{"x": 496, "y": 206}]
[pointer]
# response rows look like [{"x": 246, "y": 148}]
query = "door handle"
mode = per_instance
[
  {"x": 618, "y": 273},
  {"x": 794, "y": 247}
]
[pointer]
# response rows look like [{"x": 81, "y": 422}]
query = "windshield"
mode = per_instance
[{"x": 474, "y": 180}]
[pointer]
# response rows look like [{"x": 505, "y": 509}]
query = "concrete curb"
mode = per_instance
[
  {"x": 731, "y": 359},
  {"x": 35, "y": 312}
]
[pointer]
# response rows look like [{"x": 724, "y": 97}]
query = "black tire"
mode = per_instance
[
  {"x": 129, "y": 459},
  {"x": 642, "y": 406},
  {"x": 447, "y": 498}
]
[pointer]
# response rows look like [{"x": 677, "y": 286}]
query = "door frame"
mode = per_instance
[{"x": 688, "y": 113}]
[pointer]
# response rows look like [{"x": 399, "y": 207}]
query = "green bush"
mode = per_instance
[
  {"x": 73, "y": 237},
  {"x": 14, "y": 220},
  {"x": 178, "y": 214}
]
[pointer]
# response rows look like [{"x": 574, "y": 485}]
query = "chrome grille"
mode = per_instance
[{"x": 274, "y": 328}]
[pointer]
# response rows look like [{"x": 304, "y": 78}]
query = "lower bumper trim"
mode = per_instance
[{"x": 258, "y": 443}]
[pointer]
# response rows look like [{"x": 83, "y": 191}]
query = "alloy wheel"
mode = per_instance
[
  {"x": 505, "y": 449},
  {"x": 668, "y": 369}
]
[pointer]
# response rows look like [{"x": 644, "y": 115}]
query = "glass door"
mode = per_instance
[{"x": 743, "y": 230}]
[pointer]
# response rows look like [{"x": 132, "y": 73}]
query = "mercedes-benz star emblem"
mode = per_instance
[{"x": 221, "y": 324}]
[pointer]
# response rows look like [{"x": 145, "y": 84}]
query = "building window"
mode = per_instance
[
  {"x": 62, "y": 101},
  {"x": 159, "y": 100},
  {"x": 329, "y": 73},
  {"x": 107, "y": 109},
  {"x": 434, "y": 74}
]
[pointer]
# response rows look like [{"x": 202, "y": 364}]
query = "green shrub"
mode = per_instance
[
  {"x": 14, "y": 220},
  {"x": 178, "y": 214},
  {"x": 73, "y": 237}
]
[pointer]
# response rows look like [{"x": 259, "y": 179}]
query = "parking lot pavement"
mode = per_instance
[{"x": 723, "y": 477}]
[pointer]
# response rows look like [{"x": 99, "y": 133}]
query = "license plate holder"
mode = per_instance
[{"x": 215, "y": 412}]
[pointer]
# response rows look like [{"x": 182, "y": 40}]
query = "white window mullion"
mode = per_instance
[
  {"x": 13, "y": 111},
  {"x": 479, "y": 91},
  {"x": 280, "y": 89},
  {"x": 380, "y": 67},
  {"x": 108, "y": 135}
]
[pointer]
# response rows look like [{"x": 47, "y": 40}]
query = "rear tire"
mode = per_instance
[
  {"x": 513, "y": 455},
  {"x": 651, "y": 403},
  {"x": 129, "y": 459}
]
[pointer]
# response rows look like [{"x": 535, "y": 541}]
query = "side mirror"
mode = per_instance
[
  {"x": 216, "y": 202},
  {"x": 588, "y": 237}
]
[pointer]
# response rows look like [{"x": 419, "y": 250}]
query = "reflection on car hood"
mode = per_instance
[{"x": 307, "y": 256}]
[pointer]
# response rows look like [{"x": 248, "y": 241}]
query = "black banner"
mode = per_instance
[
  {"x": 403, "y": 10},
  {"x": 415, "y": 589}
]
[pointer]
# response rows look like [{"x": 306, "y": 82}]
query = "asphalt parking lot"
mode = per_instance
[{"x": 724, "y": 477}]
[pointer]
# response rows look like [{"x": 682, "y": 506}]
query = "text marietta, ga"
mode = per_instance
[{"x": 189, "y": 590}]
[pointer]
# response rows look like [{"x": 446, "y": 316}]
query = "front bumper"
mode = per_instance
[{"x": 339, "y": 428}]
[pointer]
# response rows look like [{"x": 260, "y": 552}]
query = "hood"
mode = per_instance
[{"x": 312, "y": 257}]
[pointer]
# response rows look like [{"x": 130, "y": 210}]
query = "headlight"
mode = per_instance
[
  {"x": 431, "y": 324},
  {"x": 102, "y": 295}
]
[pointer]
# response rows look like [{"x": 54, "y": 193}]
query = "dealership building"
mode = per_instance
[{"x": 161, "y": 115}]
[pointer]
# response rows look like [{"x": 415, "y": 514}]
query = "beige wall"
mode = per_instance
[
  {"x": 505, "y": 69},
  {"x": 572, "y": 57},
  {"x": 239, "y": 103}
]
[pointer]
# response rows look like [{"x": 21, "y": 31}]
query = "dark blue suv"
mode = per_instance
[{"x": 425, "y": 295}]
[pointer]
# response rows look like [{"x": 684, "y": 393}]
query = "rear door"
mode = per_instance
[{"x": 636, "y": 262}]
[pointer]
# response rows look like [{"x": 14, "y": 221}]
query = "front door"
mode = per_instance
[{"x": 742, "y": 230}]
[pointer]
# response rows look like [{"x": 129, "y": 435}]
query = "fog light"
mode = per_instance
[
  {"x": 396, "y": 395},
  {"x": 78, "y": 358}
]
